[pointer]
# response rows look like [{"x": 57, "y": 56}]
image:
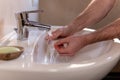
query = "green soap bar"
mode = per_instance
[{"x": 5, "y": 50}]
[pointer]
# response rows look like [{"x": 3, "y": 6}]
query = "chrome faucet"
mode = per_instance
[{"x": 23, "y": 21}]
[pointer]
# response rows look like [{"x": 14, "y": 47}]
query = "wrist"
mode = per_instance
[
  {"x": 91, "y": 38},
  {"x": 80, "y": 23},
  {"x": 73, "y": 27}
]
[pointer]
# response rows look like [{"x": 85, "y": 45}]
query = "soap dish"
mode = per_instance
[{"x": 10, "y": 52}]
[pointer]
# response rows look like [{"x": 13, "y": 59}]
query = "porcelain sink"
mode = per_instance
[{"x": 40, "y": 61}]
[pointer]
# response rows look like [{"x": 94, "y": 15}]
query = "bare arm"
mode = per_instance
[
  {"x": 75, "y": 43},
  {"x": 106, "y": 33},
  {"x": 94, "y": 12}
]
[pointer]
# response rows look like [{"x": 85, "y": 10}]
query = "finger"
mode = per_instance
[
  {"x": 62, "y": 42},
  {"x": 56, "y": 34},
  {"x": 64, "y": 52},
  {"x": 60, "y": 46},
  {"x": 60, "y": 50}
]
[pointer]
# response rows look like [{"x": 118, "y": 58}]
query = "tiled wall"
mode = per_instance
[{"x": 7, "y": 10}]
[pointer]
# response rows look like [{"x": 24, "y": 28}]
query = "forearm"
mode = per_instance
[
  {"x": 95, "y": 11},
  {"x": 108, "y": 32}
]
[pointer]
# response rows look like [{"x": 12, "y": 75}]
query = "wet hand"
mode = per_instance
[
  {"x": 59, "y": 33},
  {"x": 70, "y": 45}
]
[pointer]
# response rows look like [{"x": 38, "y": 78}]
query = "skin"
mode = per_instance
[{"x": 94, "y": 13}]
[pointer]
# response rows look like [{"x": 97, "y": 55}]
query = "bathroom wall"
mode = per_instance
[
  {"x": 62, "y": 12},
  {"x": 7, "y": 10}
]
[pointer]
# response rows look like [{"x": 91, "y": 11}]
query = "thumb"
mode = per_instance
[{"x": 60, "y": 46}]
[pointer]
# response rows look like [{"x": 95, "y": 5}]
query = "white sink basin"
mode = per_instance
[{"x": 91, "y": 63}]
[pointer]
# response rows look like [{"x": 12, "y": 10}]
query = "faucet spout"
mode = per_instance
[
  {"x": 22, "y": 21},
  {"x": 39, "y": 25}
]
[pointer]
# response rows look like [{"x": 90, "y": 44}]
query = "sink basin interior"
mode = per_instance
[
  {"x": 37, "y": 51},
  {"x": 46, "y": 54}
]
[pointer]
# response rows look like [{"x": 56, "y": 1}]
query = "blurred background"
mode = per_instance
[
  {"x": 62, "y": 12},
  {"x": 56, "y": 12}
]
